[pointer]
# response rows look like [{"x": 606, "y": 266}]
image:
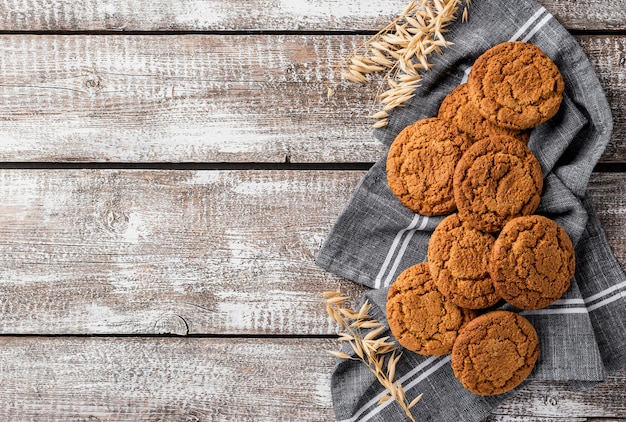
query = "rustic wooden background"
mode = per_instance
[{"x": 168, "y": 171}]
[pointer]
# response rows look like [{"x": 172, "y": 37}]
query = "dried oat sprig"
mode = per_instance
[
  {"x": 400, "y": 51},
  {"x": 362, "y": 332}
]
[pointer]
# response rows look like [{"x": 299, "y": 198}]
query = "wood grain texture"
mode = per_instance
[
  {"x": 608, "y": 55},
  {"x": 189, "y": 98},
  {"x": 184, "y": 252},
  {"x": 179, "y": 99},
  {"x": 557, "y": 400},
  {"x": 134, "y": 252},
  {"x": 169, "y": 379},
  {"x": 144, "y": 379},
  {"x": 256, "y": 15}
]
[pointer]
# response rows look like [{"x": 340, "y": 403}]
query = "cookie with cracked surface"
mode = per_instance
[
  {"x": 419, "y": 316},
  {"x": 532, "y": 262},
  {"x": 515, "y": 85},
  {"x": 496, "y": 180},
  {"x": 495, "y": 352},
  {"x": 458, "y": 259},
  {"x": 421, "y": 162},
  {"x": 459, "y": 110}
]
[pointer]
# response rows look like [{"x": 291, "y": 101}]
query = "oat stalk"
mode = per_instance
[
  {"x": 400, "y": 51},
  {"x": 379, "y": 354}
]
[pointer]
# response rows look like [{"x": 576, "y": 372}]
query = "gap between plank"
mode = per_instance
[
  {"x": 168, "y": 32},
  {"x": 157, "y": 336},
  {"x": 355, "y": 166},
  {"x": 604, "y": 167}
]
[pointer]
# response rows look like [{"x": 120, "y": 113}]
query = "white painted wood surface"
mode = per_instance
[
  {"x": 255, "y": 15},
  {"x": 148, "y": 252},
  {"x": 206, "y": 98},
  {"x": 164, "y": 379}
]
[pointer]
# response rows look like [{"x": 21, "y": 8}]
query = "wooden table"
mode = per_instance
[{"x": 168, "y": 172}]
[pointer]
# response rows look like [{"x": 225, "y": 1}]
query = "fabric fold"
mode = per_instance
[{"x": 603, "y": 286}]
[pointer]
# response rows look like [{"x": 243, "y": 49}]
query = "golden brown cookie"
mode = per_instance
[
  {"x": 532, "y": 262},
  {"x": 419, "y": 316},
  {"x": 458, "y": 259},
  {"x": 495, "y": 352},
  {"x": 457, "y": 108},
  {"x": 421, "y": 162},
  {"x": 515, "y": 85},
  {"x": 496, "y": 180}
]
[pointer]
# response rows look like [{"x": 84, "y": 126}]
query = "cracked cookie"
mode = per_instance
[
  {"x": 532, "y": 262},
  {"x": 496, "y": 180},
  {"x": 515, "y": 85},
  {"x": 457, "y": 109},
  {"x": 421, "y": 162},
  {"x": 495, "y": 352},
  {"x": 458, "y": 259},
  {"x": 419, "y": 316}
]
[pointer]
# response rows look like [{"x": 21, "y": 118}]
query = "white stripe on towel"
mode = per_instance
[
  {"x": 392, "y": 250},
  {"x": 375, "y": 400},
  {"x": 405, "y": 244},
  {"x": 529, "y": 22},
  {"x": 606, "y": 301},
  {"x": 537, "y": 27},
  {"x": 605, "y": 292}
]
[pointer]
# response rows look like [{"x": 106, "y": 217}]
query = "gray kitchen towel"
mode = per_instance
[{"x": 583, "y": 334}]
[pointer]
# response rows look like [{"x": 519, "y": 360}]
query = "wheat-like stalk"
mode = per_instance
[
  {"x": 400, "y": 52},
  {"x": 361, "y": 332}
]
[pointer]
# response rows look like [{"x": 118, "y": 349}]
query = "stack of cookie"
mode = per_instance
[{"x": 472, "y": 164}]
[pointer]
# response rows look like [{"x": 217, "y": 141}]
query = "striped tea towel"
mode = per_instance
[{"x": 582, "y": 335}]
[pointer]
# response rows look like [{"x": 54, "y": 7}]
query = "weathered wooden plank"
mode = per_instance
[
  {"x": 608, "y": 55},
  {"x": 253, "y": 98},
  {"x": 557, "y": 400},
  {"x": 165, "y": 379},
  {"x": 178, "y": 98},
  {"x": 226, "y": 379},
  {"x": 166, "y": 252},
  {"x": 184, "y": 252},
  {"x": 257, "y": 15},
  {"x": 595, "y": 15}
]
